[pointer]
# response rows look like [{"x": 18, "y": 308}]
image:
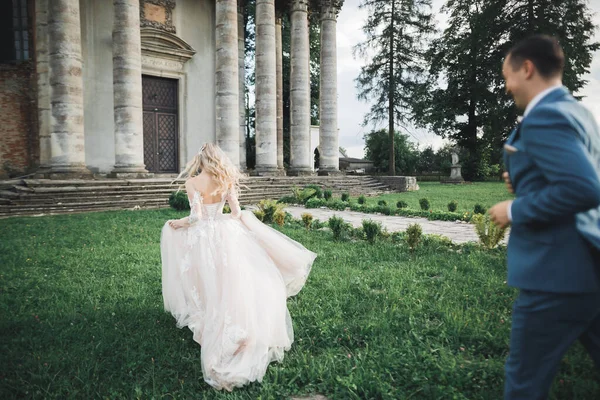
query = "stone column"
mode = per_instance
[
  {"x": 328, "y": 109},
  {"x": 43, "y": 84},
  {"x": 266, "y": 87},
  {"x": 67, "y": 141},
  {"x": 227, "y": 82},
  {"x": 279, "y": 58},
  {"x": 242, "y": 83},
  {"x": 300, "y": 90},
  {"x": 127, "y": 90}
]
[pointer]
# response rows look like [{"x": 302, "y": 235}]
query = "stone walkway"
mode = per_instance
[{"x": 458, "y": 232}]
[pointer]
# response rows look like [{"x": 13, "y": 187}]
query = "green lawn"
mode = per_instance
[
  {"x": 81, "y": 317},
  {"x": 486, "y": 194}
]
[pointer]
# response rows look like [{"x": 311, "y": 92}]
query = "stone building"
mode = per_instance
[{"x": 134, "y": 87}]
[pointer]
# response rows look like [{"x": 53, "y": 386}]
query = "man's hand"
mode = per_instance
[
  {"x": 508, "y": 182},
  {"x": 499, "y": 214}
]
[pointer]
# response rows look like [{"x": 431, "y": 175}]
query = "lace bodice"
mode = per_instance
[{"x": 201, "y": 211}]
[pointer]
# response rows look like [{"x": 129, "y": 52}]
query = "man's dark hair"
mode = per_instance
[{"x": 543, "y": 51}]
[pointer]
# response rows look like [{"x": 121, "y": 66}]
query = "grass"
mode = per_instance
[
  {"x": 487, "y": 194},
  {"x": 81, "y": 317}
]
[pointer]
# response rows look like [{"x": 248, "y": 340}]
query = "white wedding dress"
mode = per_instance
[{"x": 227, "y": 277}]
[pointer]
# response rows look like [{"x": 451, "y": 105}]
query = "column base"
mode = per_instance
[
  {"x": 267, "y": 171},
  {"x": 66, "y": 172},
  {"x": 329, "y": 172},
  {"x": 129, "y": 172},
  {"x": 301, "y": 172}
]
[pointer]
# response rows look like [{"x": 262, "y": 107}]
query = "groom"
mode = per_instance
[{"x": 553, "y": 162}]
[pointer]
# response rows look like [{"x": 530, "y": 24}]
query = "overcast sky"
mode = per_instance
[{"x": 351, "y": 110}]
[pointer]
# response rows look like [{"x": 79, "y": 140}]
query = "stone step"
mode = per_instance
[
  {"x": 45, "y": 211},
  {"x": 132, "y": 190},
  {"x": 115, "y": 188},
  {"x": 38, "y": 196}
]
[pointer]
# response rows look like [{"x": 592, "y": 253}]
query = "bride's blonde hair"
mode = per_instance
[{"x": 213, "y": 160}]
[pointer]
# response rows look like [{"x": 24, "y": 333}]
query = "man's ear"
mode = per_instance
[{"x": 529, "y": 69}]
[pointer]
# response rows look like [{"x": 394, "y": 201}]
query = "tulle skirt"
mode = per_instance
[{"x": 227, "y": 280}]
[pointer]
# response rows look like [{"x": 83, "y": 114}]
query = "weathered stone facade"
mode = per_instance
[{"x": 81, "y": 101}]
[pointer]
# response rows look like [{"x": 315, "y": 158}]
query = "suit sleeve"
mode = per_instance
[{"x": 573, "y": 182}]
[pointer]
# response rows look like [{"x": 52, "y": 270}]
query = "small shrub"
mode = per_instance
[
  {"x": 328, "y": 194},
  {"x": 279, "y": 217},
  {"x": 260, "y": 215},
  {"x": 402, "y": 204},
  {"x": 303, "y": 195},
  {"x": 479, "y": 209},
  {"x": 385, "y": 210},
  {"x": 337, "y": 205},
  {"x": 356, "y": 207},
  {"x": 345, "y": 197},
  {"x": 425, "y": 205},
  {"x": 337, "y": 226},
  {"x": 226, "y": 209},
  {"x": 371, "y": 209},
  {"x": 269, "y": 208},
  {"x": 489, "y": 234},
  {"x": 288, "y": 200},
  {"x": 307, "y": 219},
  {"x": 362, "y": 199},
  {"x": 382, "y": 203},
  {"x": 179, "y": 201},
  {"x": 357, "y": 233},
  {"x": 414, "y": 234},
  {"x": 398, "y": 237},
  {"x": 372, "y": 230},
  {"x": 315, "y": 203},
  {"x": 317, "y": 224},
  {"x": 318, "y": 191},
  {"x": 452, "y": 206}
]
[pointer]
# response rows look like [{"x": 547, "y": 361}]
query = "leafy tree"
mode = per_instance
[
  {"x": 406, "y": 152},
  {"x": 464, "y": 96}
]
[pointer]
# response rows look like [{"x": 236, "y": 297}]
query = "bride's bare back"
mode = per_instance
[{"x": 205, "y": 185}]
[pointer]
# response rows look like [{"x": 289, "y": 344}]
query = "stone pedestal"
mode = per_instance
[
  {"x": 455, "y": 175},
  {"x": 127, "y": 88}
]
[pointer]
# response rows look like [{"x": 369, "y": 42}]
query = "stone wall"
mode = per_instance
[
  {"x": 399, "y": 183},
  {"x": 18, "y": 138}
]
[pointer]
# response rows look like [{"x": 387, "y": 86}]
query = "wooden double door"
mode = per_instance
[{"x": 161, "y": 131}]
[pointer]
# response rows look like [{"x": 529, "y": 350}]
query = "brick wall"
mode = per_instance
[{"x": 19, "y": 149}]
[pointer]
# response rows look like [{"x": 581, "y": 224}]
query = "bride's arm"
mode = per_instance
[
  {"x": 195, "y": 200},
  {"x": 234, "y": 204}
]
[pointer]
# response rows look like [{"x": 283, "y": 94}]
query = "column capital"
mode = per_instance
[
  {"x": 299, "y": 5},
  {"x": 329, "y": 9}
]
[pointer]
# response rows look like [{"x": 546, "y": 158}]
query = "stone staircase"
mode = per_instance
[{"x": 41, "y": 197}]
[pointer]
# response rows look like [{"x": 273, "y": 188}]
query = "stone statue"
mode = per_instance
[
  {"x": 455, "y": 169},
  {"x": 454, "y": 157}
]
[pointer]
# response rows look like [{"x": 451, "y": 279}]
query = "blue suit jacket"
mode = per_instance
[{"x": 554, "y": 244}]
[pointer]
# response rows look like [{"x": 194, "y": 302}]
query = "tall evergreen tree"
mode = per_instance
[{"x": 397, "y": 33}]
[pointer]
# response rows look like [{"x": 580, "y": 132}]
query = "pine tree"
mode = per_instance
[{"x": 397, "y": 32}]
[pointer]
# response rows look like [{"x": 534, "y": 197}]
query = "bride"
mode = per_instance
[{"x": 227, "y": 276}]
